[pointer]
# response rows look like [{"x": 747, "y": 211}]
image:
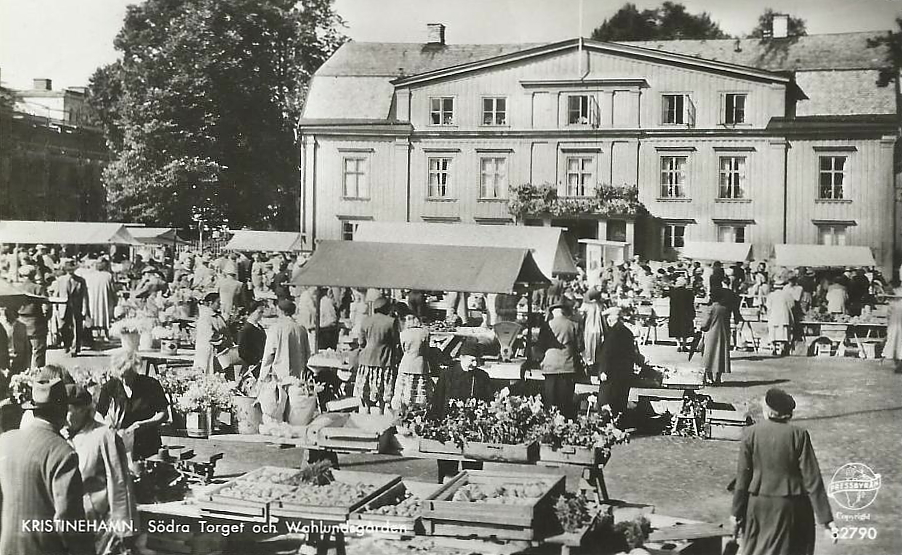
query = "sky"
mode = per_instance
[{"x": 66, "y": 40}]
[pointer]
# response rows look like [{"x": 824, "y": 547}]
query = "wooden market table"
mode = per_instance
[{"x": 861, "y": 334}]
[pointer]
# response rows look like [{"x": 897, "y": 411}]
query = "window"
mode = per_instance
[
  {"x": 832, "y": 177},
  {"x": 616, "y": 230},
  {"x": 674, "y": 236},
  {"x": 578, "y": 109},
  {"x": 580, "y": 176},
  {"x": 731, "y": 234},
  {"x": 439, "y": 182},
  {"x": 732, "y": 177},
  {"x": 492, "y": 178},
  {"x": 348, "y": 229},
  {"x": 673, "y": 176},
  {"x": 673, "y": 109},
  {"x": 354, "y": 178},
  {"x": 831, "y": 234},
  {"x": 734, "y": 108},
  {"x": 441, "y": 110},
  {"x": 494, "y": 111}
]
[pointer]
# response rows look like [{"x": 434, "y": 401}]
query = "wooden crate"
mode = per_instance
[
  {"x": 358, "y": 432},
  {"x": 499, "y": 452},
  {"x": 406, "y": 525},
  {"x": 570, "y": 454},
  {"x": 213, "y": 503},
  {"x": 445, "y": 517},
  {"x": 725, "y": 424},
  {"x": 424, "y": 445},
  {"x": 283, "y": 508}
]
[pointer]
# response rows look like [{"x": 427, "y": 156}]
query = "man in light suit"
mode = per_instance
[
  {"x": 287, "y": 349},
  {"x": 74, "y": 290},
  {"x": 40, "y": 481}
]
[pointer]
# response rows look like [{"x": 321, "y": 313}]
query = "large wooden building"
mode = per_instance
[{"x": 760, "y": 141}]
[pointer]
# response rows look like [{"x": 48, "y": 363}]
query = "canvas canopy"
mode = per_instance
[
  {"x": 11, "y": 294},
  {"x": 155, "y": 235},
  {"x": 724, "y": 252},
  {"x": 823, "y": 256},
  {"x": 65, "y": 233},
  {"x": 549, "y": 249},
  {"x": 279, "y": 241},
  {"x": 424, "y": 267}
]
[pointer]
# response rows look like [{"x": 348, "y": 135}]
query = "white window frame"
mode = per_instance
[
  {"x": 584, "y": 175},
  {"x": 358, "y": 193},
  {"x": 840, "y": 193},
  {"x": 672, "y": 228},
  {"x": 349, "y": 228},
  {"x": 838, "y": 234},
  {"x": 581, "y": 119},
  {"x": 494, "y": 111},
  {"x": 671, "y": 187},
  {"x": 733, "y": 231},
  {"x": 436, "y": 187},
  {"x": 441, "y": 111},
  {"x": 732, "y": 179},
  {"x": 681, "y": 114},
  {"x": 500, "y": 182},
  {"x": 727, "y": 114}
]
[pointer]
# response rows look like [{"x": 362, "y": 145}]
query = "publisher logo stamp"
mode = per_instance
[{"x": 854, "y": 486}]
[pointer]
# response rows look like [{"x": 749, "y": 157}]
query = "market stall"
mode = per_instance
[
  {"x": 65, "y": 233},
  {"x": 159, "y": 236},
  {"x": 824, "y": 256},
  {"x": 724, "y": 252},
  {"x": 266, "y": 241}
]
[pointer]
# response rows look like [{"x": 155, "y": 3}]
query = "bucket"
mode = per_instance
[
  {"x": 145, "y": 343},
  {"x": 198, "y": 424},
  {"x": 301, "y": 408},
  {"x": 130, "y": 341},
  {"x": 248, "y": 414}
]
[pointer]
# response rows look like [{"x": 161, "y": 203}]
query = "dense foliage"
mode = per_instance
[
  {"x": 669, "y": 22},
  {"x": 893, "y": 44},
  {"x": 201, "y": 110},
  {"x": 608, "y": 200}
]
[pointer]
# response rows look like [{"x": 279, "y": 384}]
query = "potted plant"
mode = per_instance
[
  {"x": 204, "y": 396},
  {"x": 134, "y": 331},
  {"x": 587, "y": 440}
]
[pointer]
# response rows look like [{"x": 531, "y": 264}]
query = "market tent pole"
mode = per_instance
[{"x": 315, "y": 347}]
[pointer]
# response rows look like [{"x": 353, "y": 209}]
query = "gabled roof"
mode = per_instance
[{"x": 813, "y": 52}]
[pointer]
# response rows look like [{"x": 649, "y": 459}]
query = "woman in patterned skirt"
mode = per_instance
[
  {"x": 374, "y": 386},
  {"x": 413, "y": 385}
]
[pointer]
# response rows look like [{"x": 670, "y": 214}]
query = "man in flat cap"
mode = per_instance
[{"x": 40, "y": 484}]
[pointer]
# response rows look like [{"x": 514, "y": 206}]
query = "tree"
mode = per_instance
[
  {"x": 795, "y": 26},
  {"x": 670, "y": 21},
  {"x": 892, "y": 42},
  {"x": 201, "y": 110}
]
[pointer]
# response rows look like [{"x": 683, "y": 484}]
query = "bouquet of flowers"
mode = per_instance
[
  {"x": 132, "y": 324},
  {"x": 597, "y": 430},
  {"x": 164, "y": 332},
  {"x": 175, "y": 381},
  {"x": 208, "y": 392},
  {"x": 20, "y": 385},
  {"x": 90, "y": 377}
]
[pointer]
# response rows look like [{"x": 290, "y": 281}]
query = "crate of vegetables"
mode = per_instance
[
  {"x": 332, "y": 495},
  {"x": 357, "y": 432},
  {"x": 508, "y": 505},
  {"x": 398, "y": 510},
  {"x": 249, "y": 496}
]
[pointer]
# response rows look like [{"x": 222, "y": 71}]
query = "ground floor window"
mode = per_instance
[
  {"x": 674, "y": 236},
  {"x": 348, "y": 229},
  {"x": 731, "y": 234},
  {"x": 831, "y": 234}
]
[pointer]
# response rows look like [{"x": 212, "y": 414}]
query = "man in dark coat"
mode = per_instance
[
  {"x": 779, "y": 490},
  {"x": 559, "y": 338},
  {"x": 40, "y": 481},
  {"x": 34, "y": 316},
  {"x": 618, "y": 355},
  {"x": 681, "y": 321},
  {"x": 74, "y": 290}
]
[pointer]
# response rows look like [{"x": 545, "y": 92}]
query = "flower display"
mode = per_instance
[
  {"x": 596, "y": 430},
  {"x": 20, "y": 385},
  {"x": 608, "y": 200},
  {"x": 164, "y": 332},
  {"x": 206, "y": 393},
  {"x": 90, "y": 377},
  {"x": 175, "y": 381}
]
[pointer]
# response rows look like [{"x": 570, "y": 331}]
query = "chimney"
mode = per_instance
[
  {"x": 42, "y": 84},
  {"x": 779, "y": 26},
  {"x": 435, "y": 34}
]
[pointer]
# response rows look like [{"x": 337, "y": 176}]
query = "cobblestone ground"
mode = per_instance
[{"x": 852, "y": 408}]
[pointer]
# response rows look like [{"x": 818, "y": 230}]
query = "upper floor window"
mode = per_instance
[
  {"x": 832, "y": 177},
  {"x": 732, "y": 177},
  {"x": 439, "y": 178},
  {"x": 673, "y": 176},
  {"x": 580, "y": 176},
  {"x": 673, "y": 109},
  {"x": 493, "y": 177},
  {"x": 354, "y": 181},
  {"x": 441, "y": 110},
  {"x": 831, "y": 234},
  {"x": 734, "y": 108},
  {"x": 731, "y": 233},
  {"x": 578, "y": 109},
  {"x": 494, "y": 111},
  {"x": 674, "y": 236}
]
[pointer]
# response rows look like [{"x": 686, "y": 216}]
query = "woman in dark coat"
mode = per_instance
[
  {"x": 717, "y": 337},
  {"x": 252, "y": 339},
  {"x": 682, "y": 313},
  {"x": 779, "y": 490}
]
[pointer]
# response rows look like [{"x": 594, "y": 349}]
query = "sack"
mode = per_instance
[
  {"x": 301, "y": 407},
  {"x": 272, "y": 400}
]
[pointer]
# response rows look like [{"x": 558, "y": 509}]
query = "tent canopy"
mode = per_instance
[
  {"x": 12, "y": 294},
  {"x": 280, "y": 241},
  {"x": 424, "y": 267},
  {"x": 823, "y": 256},
  {"x": 549, "y": 249},
  {"x": 155, "y": 235},
  {"x": 724, "y": 252},
  {"x": 65, "y": 233}
]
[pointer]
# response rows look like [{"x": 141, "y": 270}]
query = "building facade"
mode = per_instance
[{"x": 781, "y": 140}]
